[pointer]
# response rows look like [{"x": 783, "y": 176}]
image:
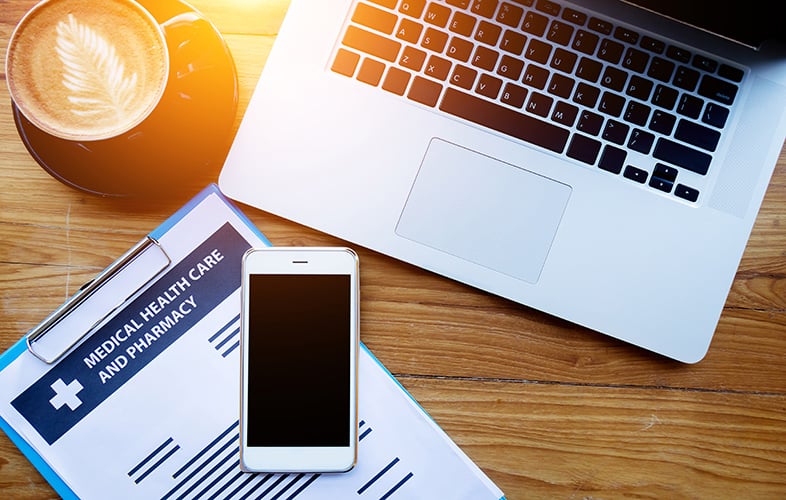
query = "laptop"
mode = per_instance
[{"x": 601, "y": 161}]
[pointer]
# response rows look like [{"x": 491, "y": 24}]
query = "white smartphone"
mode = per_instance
[{"x": 299, "y": 351}]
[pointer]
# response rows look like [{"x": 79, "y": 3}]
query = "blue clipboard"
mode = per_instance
[{"x": 27, "y": 343}]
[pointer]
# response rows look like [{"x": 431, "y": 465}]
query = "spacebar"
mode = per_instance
[{"x": 504, "y": 120}]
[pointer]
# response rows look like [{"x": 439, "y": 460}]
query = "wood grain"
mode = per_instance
[{"x": 546, "y": 408}]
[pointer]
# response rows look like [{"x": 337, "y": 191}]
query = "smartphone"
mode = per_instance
[{"x": 299, "y": 351}]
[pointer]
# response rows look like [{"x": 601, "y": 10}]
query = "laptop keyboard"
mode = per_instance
[{"x": 559, "y": 78}]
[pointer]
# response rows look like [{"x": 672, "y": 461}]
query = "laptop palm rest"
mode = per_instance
[{"x": 483, "y": 210}]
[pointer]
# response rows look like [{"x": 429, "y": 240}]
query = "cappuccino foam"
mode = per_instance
[{"x": 87, "y": 70}]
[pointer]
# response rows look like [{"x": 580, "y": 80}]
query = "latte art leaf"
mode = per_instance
[{"x": 93, "y": 71}]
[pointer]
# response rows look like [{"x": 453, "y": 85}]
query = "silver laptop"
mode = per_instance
[{"x": 597, "y": 160}]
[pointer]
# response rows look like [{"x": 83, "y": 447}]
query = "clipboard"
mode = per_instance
[
  {"x": 187, "y": 367},
  {"x": 50, "y": 339}
]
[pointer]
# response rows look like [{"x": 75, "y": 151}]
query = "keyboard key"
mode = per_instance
[
  {"x": 513, "y": 42},
  {"x": 374, "y": 18},
  {"x": 560, "y": 32},
  {"x": 563, "y": 60},
  {"x": 665, "y": 172},
  {"x": 561, "y": 85},
  {"x": 586, "y": 95},
  {"x": 697, "y": 135},
  {"x": 434, "y": 40},
  {"x": 635, "y": 60},
  {"x": 600, "y": 26},
  {"x": 513, "y": 95},
  {"x": 437, "y": 14},
  {"x": 626, "y": 35},
  {"x": 661, "y": 184},
  {"x": 660, "y": 69},
  {"x": 589, "y": 69},
  {"x": 652, "y": 45},
  {"x": 730, "y": 73},
  {"x": 371, "y": 43},
  {"x": 488, "y": 86},
  {"x": 590, "y": 123},
  {"x": 717, "y": 89},
  {"x": 413, "y": 58},
  {"x": 463, "y": 77},
  {"x": 510, "y": 67},
  {"x": 409, "y": 30},
  {"x": 662, "y": 122},
  {"x": 574, "y": 16},
  {"x": 614, "y": 78},
  {"x": 637, "y": 113},
  {"x": 548, "y": 7},
  {"x": 535, "y": 76},
  {"x": 682, "y": 156},
  {"x": 425, "y": 91},
  {"x": 413, "y": 8},
  {"x": 488, "y": 33},
  {"x": 438, "y": 68},
  {"x": 690, "y": 106},
  {"x": 345, "y": 62},
  {"x": 390, "y": 4},
  {"x": 715, "y": 115},
  {"x": 462, "y": 23},
  {"x": 505, "y": 120},
  {"x": 612, "y": 159},
  {"x": 565, "y": 114},
  {"x": 585, "y": 42},
  {"x": 539, "y": 104},
  {"x": 664, "y": 97},
  {"x": 510, "y": 15},
  {"x": 485, "y": 58},
  {"x": 396, "y": 81},
  {"x": 678, "y": 54},
  {"x": 461, "y": 4},
  {"x": 686, "y": 193},
  {"x": 635, "y": 174},
  {"x": 611, "y": 104},
  {"x": 615, "y": 132},
  {"x": 610, "y": 51},
  {"x": 460, "y": 49},
  {"x": 535, "y": 23},
  {"x": 704, "y": 63},
  {"x": 538, "y": 51},
  {"x": 641, "y": 141},
  {"x": 584, "y": 149},
  {"x": 485, "y": 8},
  {"x": 370, "y": 72},
  {"x": 639, "y": 87},
  {"x": 686, "y": 78}
]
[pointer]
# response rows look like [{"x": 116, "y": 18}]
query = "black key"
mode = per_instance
[
  {"x": 563, "y": 60},
  {"x": 635, "y": 174},
  {"x": 548, "y": 7},
  {"x": 661, "y": 184},
  {"x": 375, "y": 18},
  {"x": 565, "y": 113},
  {"x": 661, "y": 69},
  {"x": 637, "y": 113},
  {"x": 590, "y": 123},
  {"x": 585, "y": 42},
  {"x": 586, "y": 95},
  {"x": 615, "y": 132},
  {"x": 504, "y": 120},
  {"x": 641, "y": 141},
  {"x": 686, "y": 78},
  {"x": 424, "y": 91},
  {"x": 599, "y": 25},
  {"x": 698, "y": 135},
  {"x": 715, "y": 115},
  {"x": 485, "y": 8},
  {"x": 730, "y": 73},
  {"x": 371, "y": 43},
  {"x": 538, "y": 51},
  {"x": 574, "y": 16},
  {"x": 539, "y": 104},
  {"x": 535, "y": 23},
  {"x": 678, "y": 54},
  {"x": 662, "y": 122},
  {"x": 513, "y": 95},
  {"x": 664, "y": 97},
  {"x": 612, "y": 159},
  {"x": 690, "y": 106},
  {"x": 560, "y": 33},
  {"x": 639, "y": 88},
  {"x": 686, "y": 193},
  {"x": 635, "y": 60},
  {"x": 561, "y": 85},
  {"x": 584, "y": 149},
  {"x": 682, "y": 156},
  {"x": 535, "y": 76},
  {"x": 610, "y": 51},
  {"x": 614, "y": 78},
  {"x": 589, "y": 69},
  {"x": 611, "y": 104},
  {"x": 665, "y": 172},
  {"x": 718, "y": 90},
  {"x": 626, "y": 35},
  {"x": 649, "y": 43},
  {"x": 704, "y": 63}
]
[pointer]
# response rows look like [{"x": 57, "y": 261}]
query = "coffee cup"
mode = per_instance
[{"x": 113, "y": 96}]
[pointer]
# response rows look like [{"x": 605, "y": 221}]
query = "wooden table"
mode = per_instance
[{"x": 545, "y": 408}]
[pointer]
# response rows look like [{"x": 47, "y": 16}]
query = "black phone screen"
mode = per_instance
[{"x": 299, "y": 342}]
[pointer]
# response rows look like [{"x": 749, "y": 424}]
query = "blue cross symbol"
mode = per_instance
[{"x": 66, "y": 394}]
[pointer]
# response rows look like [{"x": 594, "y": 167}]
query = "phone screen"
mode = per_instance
[{"x": 299, "y": 342}]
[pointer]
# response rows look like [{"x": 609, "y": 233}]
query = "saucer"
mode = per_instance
[{"x": 186, "y": 136}]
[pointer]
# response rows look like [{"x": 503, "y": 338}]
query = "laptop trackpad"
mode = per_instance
[{"x": 483, "y": 210}]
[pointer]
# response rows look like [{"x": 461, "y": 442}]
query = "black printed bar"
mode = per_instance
[{"x": 504, "y": 120}]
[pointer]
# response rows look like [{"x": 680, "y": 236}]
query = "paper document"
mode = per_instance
[{"x": 147, "y": 405}]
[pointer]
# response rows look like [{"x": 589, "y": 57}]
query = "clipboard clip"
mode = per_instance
[{"x": 147, "y": 252}]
